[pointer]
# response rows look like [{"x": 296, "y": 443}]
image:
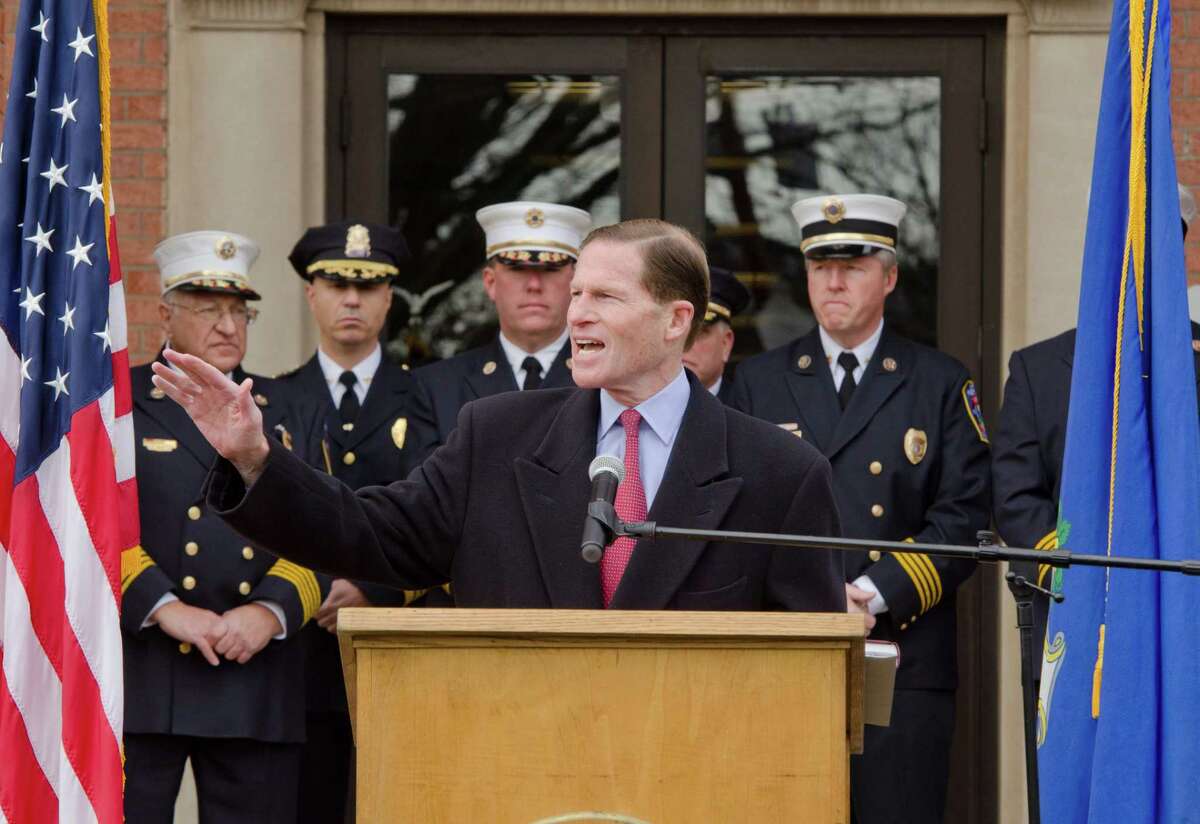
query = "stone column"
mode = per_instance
[
  {"x": 1055, "y": 62},
  {"x": 246, "y": 150}
]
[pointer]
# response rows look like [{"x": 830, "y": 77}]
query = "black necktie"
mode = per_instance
[
  {"x": 533, "y": 372},
  {"x": 348, "y": 408},
  {"x": 849, "y": 363}
]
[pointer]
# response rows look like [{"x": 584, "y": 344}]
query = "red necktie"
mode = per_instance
[{"x": 630, "y": 505}]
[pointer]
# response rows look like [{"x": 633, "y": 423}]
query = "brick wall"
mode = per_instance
[
  {"x": 138, "y": 32},
  {"x": 1185, "y": 111}
]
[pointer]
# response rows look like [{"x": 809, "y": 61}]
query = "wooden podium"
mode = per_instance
[{"x": 520, "y": 716}]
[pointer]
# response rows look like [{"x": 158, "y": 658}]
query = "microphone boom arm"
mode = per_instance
[{"x": 987, "y": 551}]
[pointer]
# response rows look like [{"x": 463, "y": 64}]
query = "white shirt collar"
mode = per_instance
[
  {"x": 545, "y": 356},
  {"x": 364, "y": 370},
  {"x": 716, "y": 387},
  {"x": 864, "y": 351},
  {"x": 662, "y": 411}
]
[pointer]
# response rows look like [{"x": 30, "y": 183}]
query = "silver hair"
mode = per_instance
[{"x": 887, "y": 257}]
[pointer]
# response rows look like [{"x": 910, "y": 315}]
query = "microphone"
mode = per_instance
[{"x": 606, "y": 473}]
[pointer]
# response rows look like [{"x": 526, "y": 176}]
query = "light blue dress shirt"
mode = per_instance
[{"x": 662, "y": 414}]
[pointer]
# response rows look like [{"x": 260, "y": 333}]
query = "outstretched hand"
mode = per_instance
[{"x": 223, "y": 411}]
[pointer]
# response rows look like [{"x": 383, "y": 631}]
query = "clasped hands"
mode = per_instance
[{"x": 238, "y": 634}]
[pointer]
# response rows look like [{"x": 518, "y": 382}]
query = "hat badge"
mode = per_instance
[
  {"x": 358, "y": 241},
  {"x": 226, "y": 248},
  {"x": 535, "y": 218},
  {"x": 834, "y": 210}
]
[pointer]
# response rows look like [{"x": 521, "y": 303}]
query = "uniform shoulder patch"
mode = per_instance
[{"x": 974, "y": 409}]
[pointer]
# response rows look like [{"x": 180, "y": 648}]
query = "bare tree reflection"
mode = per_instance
[
  {"x": 457, "y": 143},
  {"x": 774, "y": 140}
]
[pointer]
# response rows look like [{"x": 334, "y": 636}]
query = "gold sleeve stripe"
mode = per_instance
[
  {"x": 305, "y": 583},
  {"x": 1043, "y": 570},
  {"x": 134, "y": 561},
  {"x": 922, "y": 586},
  {"x": 1049, "y": 541},
  {"x": 924, "y": 590},
  {"x": 935, "y": 579},
  {"x": 411, "y": 595},
  {"x": 308, "y": 601}
]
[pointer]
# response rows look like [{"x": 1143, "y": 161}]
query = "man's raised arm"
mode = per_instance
[
  {"x": 403, "y": 535},
  {"x": 223, "y": 411}
]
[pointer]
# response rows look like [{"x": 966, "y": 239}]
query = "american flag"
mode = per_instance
[{"x": 68, "y": 501}]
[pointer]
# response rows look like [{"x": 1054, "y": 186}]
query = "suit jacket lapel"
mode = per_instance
[
  {"x": 1068, "y": 351},
  {"x": 878, "y": 384},
  {"x": 696, "y": 492},
  {"x": 384, "y": 399},
  {"x": 484, "y": 382},
  {"x": 560, "y": 373},
  {"x": 554, "y": 488},
  {"x": 811, "y": 386}
]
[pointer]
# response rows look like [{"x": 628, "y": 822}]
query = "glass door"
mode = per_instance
[
  {"x": 719, "y": 124},
  {"x": 439, "y": 127},
  {"x": 755, "y": 124}
]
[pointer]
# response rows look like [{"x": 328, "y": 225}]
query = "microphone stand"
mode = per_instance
[
  {"x": 987, "y": 551},
  {"x": 1023, "y": 592}
]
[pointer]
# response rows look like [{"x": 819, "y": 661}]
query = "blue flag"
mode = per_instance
[{"x": 1119, "y": 723}]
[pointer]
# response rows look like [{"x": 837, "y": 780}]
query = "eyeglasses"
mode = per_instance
[{"x": 211, "y": 315}]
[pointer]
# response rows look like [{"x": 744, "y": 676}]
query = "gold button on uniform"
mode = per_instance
[
  {"x": 191, "y": 547},
  {"x": 244, "y": 587},
  {"x": 248, "y": 552},
  {"x": 904, "y": 626},
  {"x": 189, "y": 582},
  {"x": 877, "y": 511},
  {"x": 874, "y": 555},
  {"x": 876, "y": 467},
  {"x": 349, "y": 458},
  {"x": 194, "y": 513},
  {"x": 185, "y": 647}
]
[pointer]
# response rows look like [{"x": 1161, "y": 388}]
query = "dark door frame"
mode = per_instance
[
  {"x": 353, "y": 152},
  {"x": 359, "y": 47}
]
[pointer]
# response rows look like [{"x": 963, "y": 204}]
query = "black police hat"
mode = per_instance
[
  {"x": 727, "y": 296},
  {"x": 350, "y": 252}
]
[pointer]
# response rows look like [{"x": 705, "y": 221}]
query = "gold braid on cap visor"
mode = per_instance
[
  {"x": 715, "y": 309},
  {"x": 847, "y": 237},
  {"x": 353, "y": 269}
]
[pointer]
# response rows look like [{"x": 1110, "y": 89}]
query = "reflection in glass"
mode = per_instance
[
  {"x": 773, "y": 140},
  {"x": 457, "y": 143}
]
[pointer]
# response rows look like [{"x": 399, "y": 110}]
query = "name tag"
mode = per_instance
[{"x": 160, "y": 444}]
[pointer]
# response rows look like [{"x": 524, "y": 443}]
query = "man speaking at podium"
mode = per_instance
[{"x": 500, "y": 507}]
